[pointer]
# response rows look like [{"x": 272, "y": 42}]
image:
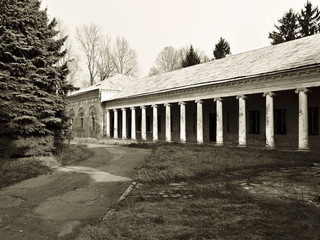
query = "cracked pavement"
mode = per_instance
[{"x": 57, "y": 205}]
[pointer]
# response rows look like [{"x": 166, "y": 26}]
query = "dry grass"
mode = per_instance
[
  {"x": 217, "y": 207},
  {"x": 182, "y": 162},
  {"x": 16, "y": 170}
]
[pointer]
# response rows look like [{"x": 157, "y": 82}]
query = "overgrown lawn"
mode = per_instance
[{"x": 193, "y": 192}]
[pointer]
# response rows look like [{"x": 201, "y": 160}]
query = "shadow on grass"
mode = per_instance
[{"x": 181, "y": 162}]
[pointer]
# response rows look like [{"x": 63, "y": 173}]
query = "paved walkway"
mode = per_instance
[{"x": 56, "y": 206}]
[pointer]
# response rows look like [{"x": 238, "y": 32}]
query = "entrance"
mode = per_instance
[{"x": 212, "y": 127}]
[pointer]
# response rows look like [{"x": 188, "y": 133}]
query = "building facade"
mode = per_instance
[{"x": 268, "y": 97}]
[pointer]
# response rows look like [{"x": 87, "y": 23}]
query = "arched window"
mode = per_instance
[
  {"x": 71, "y": 118},
  {"x": 81, "y": 117},
  {"x": 92, "y": 112}
]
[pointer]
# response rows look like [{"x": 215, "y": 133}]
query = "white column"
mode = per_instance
[
  {"x": 124, "y": 123},
  {"x": 143, "y": 123},
  {"x": 199, "y": 121},
  {"x": 168, "y": 122},
  {"x": 219, "y": 117},
  {"x": 242, "y": 121},
  {"x": 155, "y": 122},
  {"x": 183, "y": 126},
  {"x": 108, "y": 123},
  {"x": 115, "y": 123},
  {"x": 269, "y": 120},
  {"x": 133, "y": 124},
  {"x": 303, "y": 144}
]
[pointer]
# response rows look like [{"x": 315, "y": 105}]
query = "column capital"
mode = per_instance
[
  {"x": 305, "y": 90},
  {"x": 154, "y": 106},
  {"x": 270, "y": 94},
  {"x": 133, "y": 108},
  {"x": 107, "y": 110},
  {"x": 115, "y": 110},
  {"x": 241, "y": 96},
  {"x": 143, "y": 107},
  {"x": 199, "y": 101},
  {"x": 182, "y": 103},
  {"x": 217, "y": 99},
  {"x": 123, "y": 109},
  {"x": 167, "y": 104}
]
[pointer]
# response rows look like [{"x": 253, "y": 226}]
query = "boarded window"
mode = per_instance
[
  {"x": 232, "y": 122},
  {"x": 194, "y": 122},
  {"x": 159, "y": 123},
  {"x": 148, "y": 124},
  {"x": 313, "y": 121},
  {"x": 139, "y": 124},
  {"x": 280, "y": 124},
  {"x": 171, "y": 123},
  {"x": 254, "y": 122}
]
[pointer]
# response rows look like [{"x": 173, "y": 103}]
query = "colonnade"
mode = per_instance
[{"x": 303, "y": 141}]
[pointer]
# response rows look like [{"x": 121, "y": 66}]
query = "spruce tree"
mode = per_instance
[
  {"x": 191, "y": 58},
  {"x": 33, "y": 85},
  {"x": 287, "y": 29},
  {"x": 309, "y": 20},
  {"x": 222, "y": 49}
]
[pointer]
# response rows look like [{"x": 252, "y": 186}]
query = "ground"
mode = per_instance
[
  {"x": 206, "y": 192},
  {"x": 57, "y": 205}
]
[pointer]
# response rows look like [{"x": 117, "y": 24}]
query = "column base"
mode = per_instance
[
  {"x": 242, "y": 146},
  {"x": 218, "y": 144},
  {"x": 200, "y": 142},
  {"x": 303, "y": 149},
  {"x": 269, "y": 147}
]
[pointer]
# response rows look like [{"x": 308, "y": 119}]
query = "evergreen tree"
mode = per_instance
[
  {"x": 191, "y": 58},
  {"x": 287, "y": 29},
  {"x": 309, "y": 20},
  {"x": 32, "y": 83},
  {"x": 222, "y": 49}
]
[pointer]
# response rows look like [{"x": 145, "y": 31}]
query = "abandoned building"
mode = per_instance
[{"x": 269, "y": 97}]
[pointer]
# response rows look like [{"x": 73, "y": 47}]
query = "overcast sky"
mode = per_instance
[{"x": 150, "y": 25}]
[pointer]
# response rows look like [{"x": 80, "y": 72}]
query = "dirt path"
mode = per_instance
[{"x": 56, "y": 206}]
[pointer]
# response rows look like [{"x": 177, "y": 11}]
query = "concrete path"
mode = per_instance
[{"x": 56, "y": 206}]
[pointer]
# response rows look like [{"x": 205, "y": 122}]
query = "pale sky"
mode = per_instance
[{"x": 151, "y": 25}]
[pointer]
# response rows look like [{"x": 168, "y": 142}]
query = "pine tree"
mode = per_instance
[
  {"x": 191, "y": 59},
  {"x": 222, "y": 49},
  {"x": 33, "y": 85},
  {"x": 309, "y": 20},
  {"x": 287, "y": 29}
]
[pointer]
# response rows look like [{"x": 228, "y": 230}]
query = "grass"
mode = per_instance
[
  {"x": 180, "y": 162},
  {"x": 212, "y": 204},
  {"x": 16, "y": 170},
  {"x": 73, "y": 153}
]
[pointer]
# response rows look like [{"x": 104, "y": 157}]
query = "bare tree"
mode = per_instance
[
  {"x": 170, "y": 59},
  {"x": 89, "y": 37},
  {"x": 167, "y": 60},
  {"x": 125, "y": 58},
  {"x": 70, "y": 57},
  {"x": 105, "y": 63}
]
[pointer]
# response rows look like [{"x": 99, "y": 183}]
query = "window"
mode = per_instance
[
  {"x": 81, "y": 123},
  {"x": 148, "y": 124},
  {"x": 93, "y": 124},
  {"x": 194, "y": 123},
  {"x": 280, "y": 126},
  {"x": 232, "y": 122},
  {"x": 254, "y": 124},
  {"x": 159, "y": 123},
  {"x": 313, "y": 121},
  {"x": 171, "y": 123},
  {"x": 139, "y": 124}
]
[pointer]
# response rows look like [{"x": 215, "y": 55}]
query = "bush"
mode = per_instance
[{"x": 30, "y": 146}]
